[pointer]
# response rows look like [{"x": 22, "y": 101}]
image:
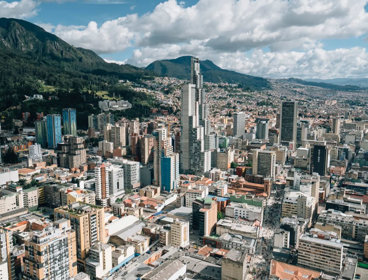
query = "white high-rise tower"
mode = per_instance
[{"x": 194, "y": 124}]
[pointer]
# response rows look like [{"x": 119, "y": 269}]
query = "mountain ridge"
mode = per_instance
[{"x": 180, "y": 68}]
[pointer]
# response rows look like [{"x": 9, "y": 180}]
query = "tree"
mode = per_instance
[
  {"x": 234, "y": 165},
  {"x": 10, "y": 156}
]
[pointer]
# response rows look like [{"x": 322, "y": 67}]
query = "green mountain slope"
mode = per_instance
[
  {"x": 180, "y": 68},
  {"x": 33, "y": 61}
]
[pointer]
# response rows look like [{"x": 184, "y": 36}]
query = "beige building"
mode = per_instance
[
  {"x": 320, "y": 254},
  {"x": 99, "y": 261},
  {"x": 147, "y": 144},
  {"x": 88, "y": 222},
  {"x": 233, "y": 266},
  {"x": 298, "y": 204},
  {"x": 83, "y": 196},
  {"x": 117, "y": 135},
  {"x": 30, "y": 197},
  {"x": 10, "y": 201},
  {"x": 179, "y": 234},
  {"x": 51, "y": 253},
  {"x": 224, "y": 159}
]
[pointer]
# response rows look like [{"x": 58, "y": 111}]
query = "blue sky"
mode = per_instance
[{"x": 270, "y": 38}]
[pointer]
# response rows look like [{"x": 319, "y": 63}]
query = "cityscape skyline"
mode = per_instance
[{"x": 183, "y": 170}]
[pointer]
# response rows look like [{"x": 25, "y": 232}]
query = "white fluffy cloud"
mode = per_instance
[
  {"x": 18, "y": 9},
  {"x": 236, "y": 34}
]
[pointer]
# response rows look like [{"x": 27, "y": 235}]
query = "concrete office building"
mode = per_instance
[
  {"x": 320, "y": 254},
  {"x": 262, "y": 128},
  {"x": 88, "y": 221},
  {"x": 116, "y": 181},
  {"x": 194, "y": 125},
  {"x": 179, "y": 234},
  {"x": 234, "y": 266},
  {"x": 72, "y": 153},
  {"x": 298, "y": 204},
  {"x": 204, "y": 215},
  {"x": 336, "y": 126},
  {"x": 238, "y": 124},
  {"x": 70, "y": 121},
  {"x": 99, "y": 261},
  {"x": 244, "y": 211},
  {"x": 264, "y": 163},
  {"x": 35, "y": 153},
  {"x": 288, "y": 122},
  {"x": 131, "y": 174}
]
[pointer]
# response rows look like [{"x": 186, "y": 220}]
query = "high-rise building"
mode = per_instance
[
  {"x": 288, "y": 122},
  {"x": 41, "y": 133},
  {"x": 70, "y": 121},
  {"x": 53, "y": 130},
  {"x": 5, "y": 263},
  {"x": 262, "y": 128},
  {"x": 238, "y": 124},
  {"x": 72, "y": 153},
  {"x": 35, "y": 152},
  {"x": 169, "y": 172},
  {"x": 194, "y": 124},
  {"x": 147, "y": 148},
  {"x": 116, "y": 180},
  {"x": 102, "y": 187},
  {"x": 264, "y": 163},
  {"x": 204, "y": 215},
  {"x": 162, "y": 146},
  {"x": 179, "y": 234},
  {"x": 50, "y": 254},
  {"x": 320, "y": 159},
  {"x": 88, "y": 221},
  {"x": 131, "y": 174},
  {"x": 116, "y": 134},
  {"x": 99, "y": 261},
  {"x": 336, "y": 126}
]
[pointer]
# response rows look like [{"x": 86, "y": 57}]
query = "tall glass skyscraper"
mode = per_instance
[
  {"x": 41, "y": 133},
  {"x": 70, "y": 121},
  {"x": 289, "y": 115},
  {"x": 53, "y": 130},
  {"x": 195, "y": 125}
]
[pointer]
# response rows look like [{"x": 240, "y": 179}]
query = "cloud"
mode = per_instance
[
  {"x": 18, "y": 9},
  {"x": 236, "y": 34},
  {"x": 111, "y": 36},
  {"x": 313, "y": 63},
  {"x": 231, "y": 26}
]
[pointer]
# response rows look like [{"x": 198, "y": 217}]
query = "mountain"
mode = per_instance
[
  {"x": 180, "y": 68},
  {"x": 19, "y": 37},
  {"x": 325, "y": 85},
  {"x": 359, "y": 82},
  {"x": 34, "y": 61}
]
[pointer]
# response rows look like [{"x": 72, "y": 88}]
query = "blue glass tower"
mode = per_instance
[
  {"x": 53, "y": 130},
  {"x": 169, "y": 172},
  {"x": 70, "y": 121}
]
